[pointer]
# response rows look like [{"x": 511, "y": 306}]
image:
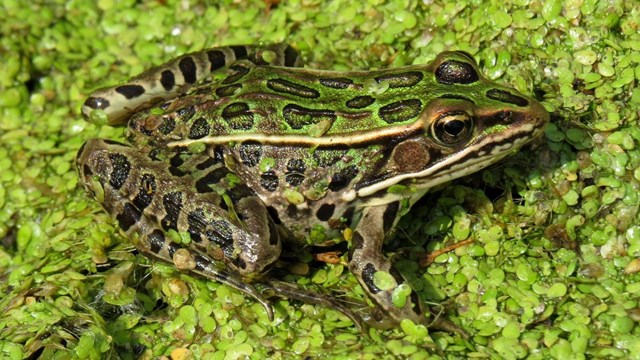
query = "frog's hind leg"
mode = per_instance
[
  {"x": 175, "y": 77},
  {"x": 290, "y": 291},
  {"x": 232, "y": 237}
]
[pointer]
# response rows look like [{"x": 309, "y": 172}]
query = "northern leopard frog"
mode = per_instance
[{"x": 249, "y": 153}]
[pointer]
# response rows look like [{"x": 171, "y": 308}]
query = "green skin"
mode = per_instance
[{"x": 250, "y": 154}]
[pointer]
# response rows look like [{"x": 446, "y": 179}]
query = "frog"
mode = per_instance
[{"x": 251, "y": 155}]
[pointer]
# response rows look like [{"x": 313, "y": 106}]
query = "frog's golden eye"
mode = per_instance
[{"x": 452, "y": 128}]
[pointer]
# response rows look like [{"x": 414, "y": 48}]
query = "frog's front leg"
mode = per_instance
[
  {"x": 366, "y": 259},
  {"x": 233, "y": 239}
]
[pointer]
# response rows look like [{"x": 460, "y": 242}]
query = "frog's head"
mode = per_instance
[{"x": 468, "y": 124}]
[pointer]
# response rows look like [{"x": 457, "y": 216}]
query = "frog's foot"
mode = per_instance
[
  {"x": 155, "y": 244},
  {"x": 383, "y": 284},
  {"x": 290, "y": 291}
]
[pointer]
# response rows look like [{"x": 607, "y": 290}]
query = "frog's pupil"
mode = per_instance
[{"x": 454, "y": 127}]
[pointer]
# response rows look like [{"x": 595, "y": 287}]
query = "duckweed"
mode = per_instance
[{"x": 554, "y": 234}]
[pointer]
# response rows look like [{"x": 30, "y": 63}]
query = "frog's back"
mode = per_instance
[{"x": 319, "y": 145}]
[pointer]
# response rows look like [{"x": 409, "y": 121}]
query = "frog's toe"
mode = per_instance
[{"x": 290, "y": 291}]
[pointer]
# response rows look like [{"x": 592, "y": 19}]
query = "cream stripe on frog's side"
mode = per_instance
[{"x": 309, "y": 152}]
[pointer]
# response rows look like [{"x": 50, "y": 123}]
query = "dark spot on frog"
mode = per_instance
[
  {"x": 292, "y": 210},
  {"x": 295, "y": 172},
  {"x": 336, "y": 83},
  {"x": 86, "y": 169},
  {"x": 202, "y": 263},
  {"x": 273, "y": 213},
  {"x": 290, "y": 56},
  {"x": 156, "y": 241},
  {"x": 176, "y": 171},
  {"x": 456, "y": 72},
  {"x": 172, "y": 203},
  {"x": 172, "y": 247},
  {"x": 188, "y": 69},
  {"x": 240, "y": 191},
  {"x": 121, "y": 168},
  {"x": 212, "y": 178},
  {"x": 239, "y": 51},
  {"x": 240, "y": 263},
  {"x": 340, "y": 180},
  {"x": 97, "y": 103},
  {"x": 220, "y": 233},
  {"x": 238, "y": 72},
  {"x": 269, "y": 180},
  {"x": 186, "y": 112},
  {"x": 238, "y": 115},
  {"x": 128, "y": 217},
  {"x": 199, "y": 128},
  {"x": 400, "y": 111},
  {"x": 507, "y": 97},
  {"x": 218, "y": 154},
  {"x": 168, "y": 80},
  {"x": 130, "y": 91},
  {"x": 325, "y": 212},
  {"x": 389, "y": 215},
  {"x": 216, "y": 59},
  {"x": 367, "y": 277},
  {"x": 297, "y": 116},
  {"x": 348, "y": 214},
  {"x": 360, "y": 102},
  {"x": 396, "y": 275},
  {"x": 250, "y": 154},
  {"x": 291, "y": 88},
  {"x": 175, "y": 162},
  {"x": 209, "y": 162},
  {"x": 229, "y": 90},
  {"x": 156, "y": 154},
  {"x": 274, "y": 234},
  {"x": 146, "y": 191},
  {"x": 406, "y": 79},
  {"x": 167, "y": 125},
  {"x": 196, "y": 221}
]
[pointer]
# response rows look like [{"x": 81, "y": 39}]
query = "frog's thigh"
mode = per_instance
[
  {"x": 366, "y": 259},
  {"x": 257, "y": 245},
  {"x": 147, "y": 200}
]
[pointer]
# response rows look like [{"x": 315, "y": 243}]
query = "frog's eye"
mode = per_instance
[
  {"x": 456, "y": 72},
  {"x": 452, "y": 128}
]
